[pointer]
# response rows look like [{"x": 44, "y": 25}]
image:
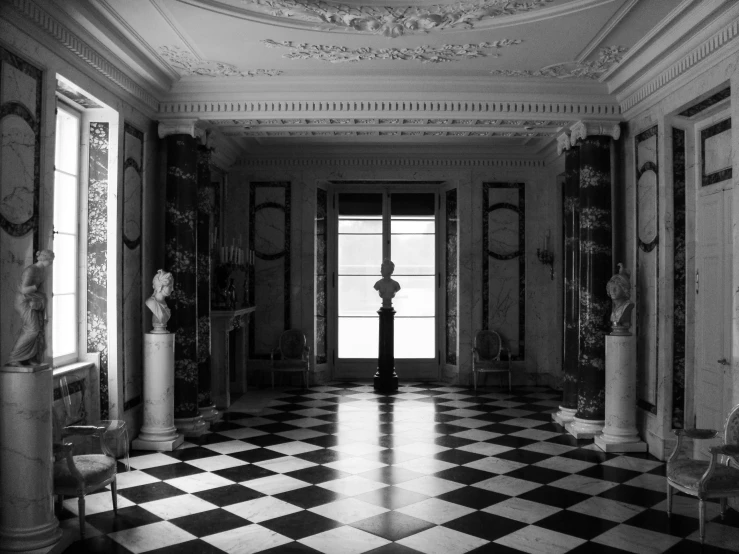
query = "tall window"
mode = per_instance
[{"x": 66, "y": 239}]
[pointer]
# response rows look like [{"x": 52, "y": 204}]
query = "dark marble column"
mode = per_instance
[
  {"x": 596, "y": 268},
  {"x": 203, "y": 262},
  {"x": 571, "y": 264},
  {"x": 386, "y": 380},
  {"x": 180, "y": 231}
]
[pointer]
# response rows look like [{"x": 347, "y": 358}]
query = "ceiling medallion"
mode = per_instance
[
  {"x": 607, "y": 58},
  {"x": 185, "y": 63},
  {"x": 424, "y": 54}
]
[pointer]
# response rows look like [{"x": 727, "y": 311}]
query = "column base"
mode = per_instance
[
  {"x": 386, "y": 382},
  {"x": 191, "y": 426},
  {"x": 622, "y": 443},
  {"x": 583, "y": 429},
  {"x": 564, "y": 415},
  {"x": 210, "y": 414},
  {"x": 163, "y": 445},
  {"x": 24, "y": 540}
]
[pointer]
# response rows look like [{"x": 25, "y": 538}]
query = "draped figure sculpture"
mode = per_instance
[
  {"x": 387, "y": 287},
  {"x": 163, "y": 284},
  {"x": 619, "y": 290},
  {"x": 30, "y": 303}
]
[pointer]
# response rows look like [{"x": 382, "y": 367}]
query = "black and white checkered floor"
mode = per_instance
[{"x": 436, "y": 469}]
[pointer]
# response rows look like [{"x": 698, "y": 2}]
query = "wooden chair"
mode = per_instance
[
  {"x": 706, "y": 479},
  {"x": 490, "y": 356},
  {"x": 291, "y": 355}
]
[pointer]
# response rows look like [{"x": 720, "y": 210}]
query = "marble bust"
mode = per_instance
[
  {"x": 387, "y": 287},
  {"x": 163, "y": 284},
  {"x": 619, "y": 290}
]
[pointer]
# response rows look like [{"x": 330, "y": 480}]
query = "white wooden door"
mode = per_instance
[{"x": 713, "y": 310}]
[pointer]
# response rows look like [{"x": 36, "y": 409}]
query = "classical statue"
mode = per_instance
[
  {"x": 163, "y": 284},
  {"x": 387, "y": 287},
  {"x": 619, "y": 290},
  {"x": 30, "y": 303}
]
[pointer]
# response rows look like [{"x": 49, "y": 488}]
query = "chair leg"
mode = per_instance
[
  {"x": 474, "y": 379},
  {"x": 114, "y": 493},
  {"x": 81, "y": 510},
  {"x": 669, "y": 500},
  {"x": 702, "y": 517},
  {"x": 723, "y": 502},
  {"x": 509, "y": 381}
]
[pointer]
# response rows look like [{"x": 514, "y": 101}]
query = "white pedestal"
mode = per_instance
[
  {"x": 564, "y": 415},
  {"x": 158, "y": 431},
  {"x": 27, "y": 520},
  {"x": 583, "y": 429},
  {"x": 620, "y": 433}
]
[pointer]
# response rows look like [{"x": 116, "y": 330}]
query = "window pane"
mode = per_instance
[
  {"x": 65, "y": 260},
  {"x": 413, "y": 254},
  {"x": 360, "y": 226},
  {"x": 416, "y": 296},
  {"x": 413, "y": 226},
  {"x": 64, "y": 327},
  {"x": 358, "y": 337},
  {"x": 360, "y": 254},
  {"x": 357, "y": 295},
  {"x": 67, "y": 142},
  {"x": 65, "y": 203},
  {"x": 415, "y": 338}
]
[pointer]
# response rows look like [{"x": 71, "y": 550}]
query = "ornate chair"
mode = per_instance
[
  {"x": 490, "y": 356},
  {"x": 706, "y": 479},
  {"x": 291, "y": 355}
]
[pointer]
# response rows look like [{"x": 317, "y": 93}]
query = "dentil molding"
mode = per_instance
[
  {"x": 583, "y": 129},
  {"x": 608, "y": 58},
  {"x": 186, "y": 63},
  {"x": 383, "y": 162},
  {"x": 424, "y": 54}
]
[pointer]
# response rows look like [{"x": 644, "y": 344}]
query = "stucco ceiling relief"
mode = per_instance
[
  {"x": 186, "y": 63},
  {"x": 424, "y": 54},
  {"x": 608, "y": 57}
]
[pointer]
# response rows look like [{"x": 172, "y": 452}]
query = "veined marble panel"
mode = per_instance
[
  {"x": 647, "y": 274},
  {"x": 20, "y": 139},
  {"x": 452, "y": 277},
  {"x": 269, "y": 237},
  {"x": 679, "y": 278},
  {"x": 321, "y": 307},
  {"x": 504, "y": 268},
  {"x": 132, "y": 301}
]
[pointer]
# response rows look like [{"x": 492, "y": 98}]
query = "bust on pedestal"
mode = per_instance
[
  {"x": 158, "y": 431},
  {"x": 620, "y": 433},
  {"x": 386, "y": 380}
]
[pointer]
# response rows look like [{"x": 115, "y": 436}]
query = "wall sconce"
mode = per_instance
[{"x": 545, "y": 255}]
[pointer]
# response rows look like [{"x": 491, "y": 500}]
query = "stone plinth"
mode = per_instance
[
  {"x": 583, "y": 429},
  {"x": 564, "y": 415},
  {"x": 158, "y": 431},
  {"x": 386, "y": 380},
  {"x": 27, "y": 520},
  {"x": 620, "y": 433}
]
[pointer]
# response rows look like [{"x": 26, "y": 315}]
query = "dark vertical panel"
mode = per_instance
[
  {"x": 571, "y": 265},
  {"x": 203, "y": 262},
  {"x": 321, "y": 276},
  {"x": 596, "y": 267},
  {"x": 97, "y": 254},
  {"x": 452, "y": 281},
  {"x": 180, "y": 247},
  {"x": 679, "y": 279}
]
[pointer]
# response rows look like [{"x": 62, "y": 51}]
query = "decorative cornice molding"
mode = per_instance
[
  {"x": 386, "y": 133},
  {"x": 563, "y": 143},
  {"x": 186, "y": 63},
  {"x": 687, "y": 62},
  {"x": 69, "y": 40},
  {"x": 583, "y": 129},
  {"x": 608, "y": 57},
  {"x": 424, "y": 54},
  {"x": 181, "y": 127},
  {"x": 389, "y": 162},
  {"x": 526, "y": 123}
]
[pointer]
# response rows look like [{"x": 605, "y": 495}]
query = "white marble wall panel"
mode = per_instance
[{"x": 717, "y": 155}]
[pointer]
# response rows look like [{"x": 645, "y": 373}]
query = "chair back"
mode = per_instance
[
  {"x": 292, "y": 344},
  {"x": 731, "y": 428},
  {"x": 488, "y": 344}
]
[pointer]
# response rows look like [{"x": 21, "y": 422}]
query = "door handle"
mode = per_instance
[{"x": 723, "y": 361}]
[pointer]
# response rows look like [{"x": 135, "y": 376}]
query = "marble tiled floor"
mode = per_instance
[{"x": 435, "y": 469}]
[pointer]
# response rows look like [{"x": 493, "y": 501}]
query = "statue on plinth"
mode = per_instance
[
  {"x": 30, "y": 303},
  {"x": 163, "y": 284},
  {"x": 619, "y": 290},
  {"x": 387, "y": 287}
]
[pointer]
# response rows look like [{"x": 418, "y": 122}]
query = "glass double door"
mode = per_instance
[{"x": 370, "y": 227}]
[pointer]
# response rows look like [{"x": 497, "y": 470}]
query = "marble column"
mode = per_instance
[
  {"x": 180, "y": 231},
  {"x": 204, "y": 241},
  {"x": 27, "y": 520},
  {"x": 596, "y": 267},
  {"x": 158, "y": 432},
  {"x": 571, "y": 265}
]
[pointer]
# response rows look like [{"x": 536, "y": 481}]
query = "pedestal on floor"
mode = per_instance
[
  {"x": 386, "y": 380},
  {"x": 158, "y": 431},
  {"x": 620, "y": 433},
  {"x": 27, "y": 520},
  {"x": 585, "y": 429},
  {"x": 564, "y": 415},
  {"x": 210, "y": 414}
]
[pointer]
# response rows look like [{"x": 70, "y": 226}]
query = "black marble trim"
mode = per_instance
[
  {"x": 285, "y": 254},
  {"x": 722, "y": 174},
  {"x": 321, "y": 319},
  {"x": 680, "y": 284},
  {"x": 132, "y": 403},
  {"x": 520, "y": 254},
  {"x": 74, "y": 387},
  {"x": 707, "y": 103},
  {"x": 451, "y": 294}
]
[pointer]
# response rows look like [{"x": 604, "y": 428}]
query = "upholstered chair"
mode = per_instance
[
  {"x": 291, "y": 355},
  {"x": 490, "y": 356},
  {"x": 714, "y": 478}
]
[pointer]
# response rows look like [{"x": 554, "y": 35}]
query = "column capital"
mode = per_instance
[
  {"x": 563, "y": 143},
  {"x": 584, "y": 129},
  {"x": 181, "y": 127}
]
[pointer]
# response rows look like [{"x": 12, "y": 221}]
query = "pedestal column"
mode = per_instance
[
  {"x": 27, "y": 520},
  {"x": 571, "y": 265},
  {"x": 596, "y": 268},
  {"x": 386, "y": 380},
  {"x": 180, "y": 231}
]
